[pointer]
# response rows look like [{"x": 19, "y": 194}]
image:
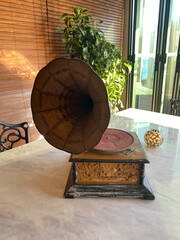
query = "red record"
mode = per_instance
[{"x": 114, "y": 140}]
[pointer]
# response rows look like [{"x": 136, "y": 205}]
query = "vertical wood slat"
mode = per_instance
[{"x": 29, "y": 39}]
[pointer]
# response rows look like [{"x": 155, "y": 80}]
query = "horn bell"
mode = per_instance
[{"x": 70, "y": 105}]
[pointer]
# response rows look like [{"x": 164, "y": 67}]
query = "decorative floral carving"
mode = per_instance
[{"x": 99, "y": 173}]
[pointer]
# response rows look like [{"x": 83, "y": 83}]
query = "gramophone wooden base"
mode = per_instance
[
  {"x": 96, "y": 174},
  {"x": 74, "y": 190}
]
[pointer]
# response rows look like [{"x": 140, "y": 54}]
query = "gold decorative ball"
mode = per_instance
[{"x": 153, "y": 138}]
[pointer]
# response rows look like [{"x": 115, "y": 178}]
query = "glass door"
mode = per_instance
[
  {"x": 145, "y": 51},
  {"x": 171, "y": 51},
  {"x": 156, "y": 29}
]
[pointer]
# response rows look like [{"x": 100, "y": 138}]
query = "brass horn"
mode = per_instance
[{"x": 70, "y": 105}]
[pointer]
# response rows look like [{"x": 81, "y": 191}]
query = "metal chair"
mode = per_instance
[
  {"x": 175, "y": 106},
  {"x": 13, "y": 133}
]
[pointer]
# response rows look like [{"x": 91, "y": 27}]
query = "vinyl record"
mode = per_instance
[{"x": 114, "y": 140}]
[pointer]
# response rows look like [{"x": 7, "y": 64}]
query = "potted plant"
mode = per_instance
[{"x": 84, "y": 40}]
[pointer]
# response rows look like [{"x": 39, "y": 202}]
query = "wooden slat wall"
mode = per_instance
[{"x": 29, "y": 39}]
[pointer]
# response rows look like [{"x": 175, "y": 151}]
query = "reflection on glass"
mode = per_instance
[
  {"x": 145, "y": 48},
  {"x": 171, "y": 51}
]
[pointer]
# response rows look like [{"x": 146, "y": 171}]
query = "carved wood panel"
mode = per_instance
[{"x": 105, "y": 173}]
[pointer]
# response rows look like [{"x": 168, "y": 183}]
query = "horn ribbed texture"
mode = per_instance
[{"x": 70, "y": 105}]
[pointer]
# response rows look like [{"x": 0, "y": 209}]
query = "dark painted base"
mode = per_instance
[{"x": 108, "y": 190}]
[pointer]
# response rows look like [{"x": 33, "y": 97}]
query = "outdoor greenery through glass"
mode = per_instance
[{"x": 85, "y": 41}]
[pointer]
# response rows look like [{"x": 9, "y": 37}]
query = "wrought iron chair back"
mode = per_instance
[
  {"x": 175, "y": 105},
  {"x": 12, "y": 133}
]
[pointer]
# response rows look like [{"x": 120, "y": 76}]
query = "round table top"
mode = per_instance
[{"x": 33, "y": 179}]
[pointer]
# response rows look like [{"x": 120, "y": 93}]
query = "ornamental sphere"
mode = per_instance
[{"x": 153, "y": 138}]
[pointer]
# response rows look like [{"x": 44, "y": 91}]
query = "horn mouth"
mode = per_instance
[{"x": 70, "y": 105}]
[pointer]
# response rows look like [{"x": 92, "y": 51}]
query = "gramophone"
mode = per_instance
[{"x": 70, "y": 109}]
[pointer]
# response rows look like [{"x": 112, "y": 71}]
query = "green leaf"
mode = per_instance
[
  {"x": 85, "y": 53},
  {"x": 78, "y": 43},
  {"x": 63, "y": 15},
  {"x": 75, "y": 10},
  {"x": 64, "y": 40},
  {"x": 60, "y": 27},
  {"x": 84, "y": 10}
]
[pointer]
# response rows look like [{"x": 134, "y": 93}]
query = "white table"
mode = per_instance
[{"x": 33, "y": 178}]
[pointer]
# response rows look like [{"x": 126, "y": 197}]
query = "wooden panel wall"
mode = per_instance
[{"x": 29, "y": 39}]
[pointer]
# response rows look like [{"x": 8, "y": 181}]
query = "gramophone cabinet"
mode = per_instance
[{"x": 97, "y": 174}]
